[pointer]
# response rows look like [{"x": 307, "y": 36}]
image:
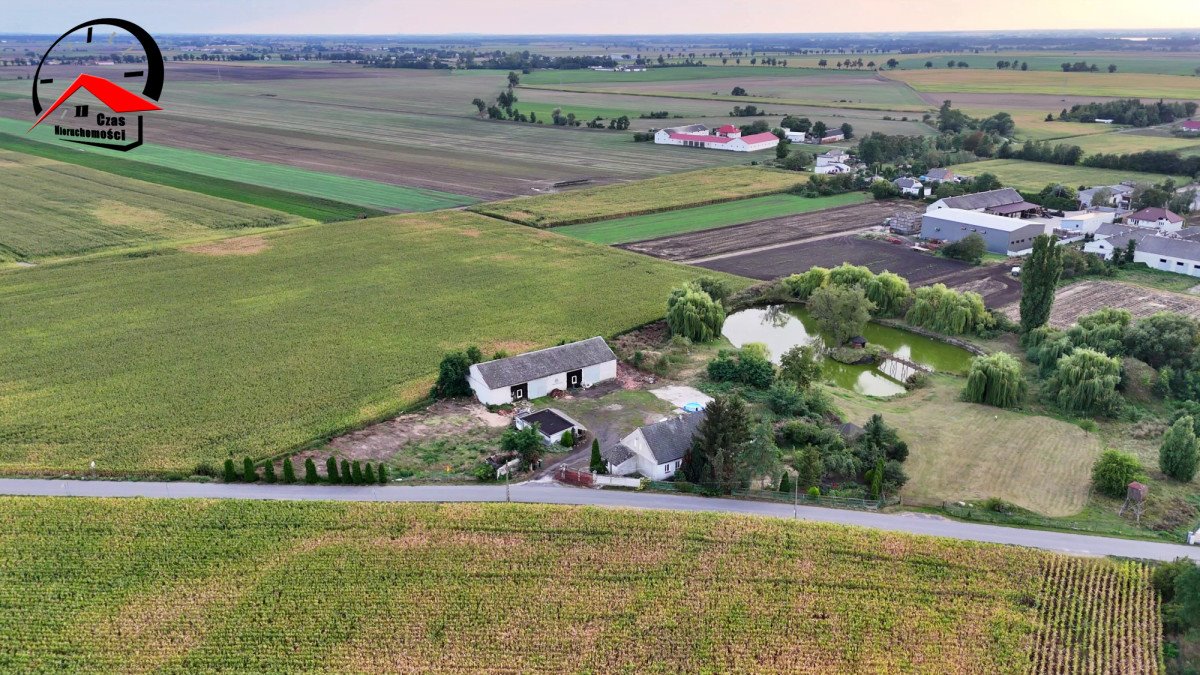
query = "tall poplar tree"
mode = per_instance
[{"x": 1039, "y": 279}]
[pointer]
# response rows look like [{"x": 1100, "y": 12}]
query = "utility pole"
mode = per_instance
[
  {"x": 796, "y": 499},
  {"x": 507, "y": 494}
]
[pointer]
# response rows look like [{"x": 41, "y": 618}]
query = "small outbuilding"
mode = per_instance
[
  {"x": 536, "y": 374},
  {"x": 551, "y": 423}
]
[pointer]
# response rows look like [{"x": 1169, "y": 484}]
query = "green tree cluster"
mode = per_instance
[
  {"x": 1114, "y": 471},
  {"x": 995, "y": 380},
  {"x": 948, "y": 311}
]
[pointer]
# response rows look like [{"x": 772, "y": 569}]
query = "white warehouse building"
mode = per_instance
[
  {"x": 536, "y": 374},
  {"x": 727, "y": 137}
]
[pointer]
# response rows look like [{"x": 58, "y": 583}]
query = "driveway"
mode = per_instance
[{"x": 547, "y": 492}]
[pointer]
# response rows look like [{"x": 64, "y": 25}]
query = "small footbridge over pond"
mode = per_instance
[{"x": 901, "y": 369}]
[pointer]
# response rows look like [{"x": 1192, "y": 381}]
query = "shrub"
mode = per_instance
[
  {"x": 746, "y": 366},
  {"x": 567, "y": 440},
  {"x": 230, "y": 474},
  {"x": 269, "y": 472},
  {"x": 800, "y": 286},
  {"x": 369, "y": 475},
  {"x": 814, "y": 492},
  {"x": 289, "y": 471},
  {"x": 1114, "y": 471},
  {"x": 484, "y": 472},
  {"x": 204, "y": 469},
  {"x": 452, "y": 376},
  {"x": 356, "y": 473},
  {"x": 347, "y": 477},
  {"x": 331, "y": 471},
  {"x": 1177, "y": 456},
  {"x": 968, "y": 249},
  {"x": 310, "y": 472},
  {"x": 597, "y": 463},
  {"x": 248, "y": 472},
  {"x": 1085, "y": 382},
  {"x": 785, "y": 483}
]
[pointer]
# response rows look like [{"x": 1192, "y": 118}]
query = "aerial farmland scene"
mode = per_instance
[{"x": 626, "y": 338}]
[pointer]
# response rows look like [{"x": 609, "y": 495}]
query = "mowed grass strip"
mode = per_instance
[
  {"x": 968, "y": 451},
  {"x": 323, "y": 210},
  {"x": 55, "y": 209},
  {"x": 262, "y": 586},
  {"x": 1121, "y": 85},
  {"x": 664, "y": 193},
  {"x": 358, "y": 191},
  {"x": 159, "y": 363},
  {"x": 663, "y": 224},
  {"x": 1037, "y": 175}
]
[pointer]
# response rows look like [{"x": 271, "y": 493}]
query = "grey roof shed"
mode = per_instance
[{"x": 545, "y": 362}]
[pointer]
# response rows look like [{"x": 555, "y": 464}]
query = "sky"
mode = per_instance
[{"x": 525, "y": 17}]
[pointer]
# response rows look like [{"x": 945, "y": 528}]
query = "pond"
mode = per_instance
[{"x": 782, "y": 327}]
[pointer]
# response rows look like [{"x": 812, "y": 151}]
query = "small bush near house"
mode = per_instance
[
  {"x": 567, "y": 440},
  {"x": 968, "y": 249},
  {"x": 230, "y": 474},
  {"x": 356, "y": 473}
]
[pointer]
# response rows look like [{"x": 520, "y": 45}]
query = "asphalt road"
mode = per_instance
[{"x": 551, "y": 493}]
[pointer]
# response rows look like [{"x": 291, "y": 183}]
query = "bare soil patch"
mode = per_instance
[
  {"x": 799, "y": 227},
  {"x": 1072, "y": 302},
  {"x": 236, "y": 246}
]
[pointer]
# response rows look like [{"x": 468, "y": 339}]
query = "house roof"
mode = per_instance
[
  {"x": 1191, "y": 125},
  {"x": 544, "y": 362},
  {"x": 550, "y": 421},
  {"x": 1150, "y": 241},
  {"x": 907, "y": 182},
  {"x": 1155, "y": 213},
  {"x": 760, "y": 138},
  {"x": 728, "y": 128},
  {"x": 671, "y": 439},
  {"x": 704, "y": 138},
  {"x": 980, "y": 219},
  {"x": 984, "y": 200},
  {"x": 616, "y": 454},
  {"x": 939, "y": 174},
  {"x": 1005, "y": 209}
]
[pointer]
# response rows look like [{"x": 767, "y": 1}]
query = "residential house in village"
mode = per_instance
[
  {"x": 1155, "y": 217},
  {"x": 655, "y": 451},
  {"x": 1175, "y": 251},
  {"x": 909, "y": 186}
]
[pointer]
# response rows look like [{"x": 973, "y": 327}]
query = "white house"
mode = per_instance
[
  {"x": 536, "y": 374},
  {"x": 1156, "y": 217},
  {"x": 655, "y": 451},
  {"x": 1166, "y": 252},
  {"x": 727, "y": 137},
  {"x": 834, "y": 156},
  {"x": 1084, "y": 222},
  {"x": 909, "y": 186},
  {"x": 551, "y": 423},
  {"x": 832, "y": 168},
  {"x": 1118, "y": 196},
  {"x": 796, "y": 136}
]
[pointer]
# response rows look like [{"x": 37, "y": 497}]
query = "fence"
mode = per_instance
[
  {"x": 823, "y": 500},
  {"x": 617, "y": 481},
  {"x": 574, "y": 477}
]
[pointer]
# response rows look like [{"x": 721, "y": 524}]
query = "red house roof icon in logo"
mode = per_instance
[{"x": 117, "y": 98}]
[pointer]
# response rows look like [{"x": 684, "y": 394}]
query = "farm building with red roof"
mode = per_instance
[
  {"x": 1190, "y": 126},
  {"x": 727, "y": 137}
]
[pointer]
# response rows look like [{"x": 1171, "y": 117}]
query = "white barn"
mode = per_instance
[
  {"x": 1166, "y": 252},
  {"x": 655, "y": 451},
  {"x": 536, "y": 374},
  {"x": 727, "y": 137}
]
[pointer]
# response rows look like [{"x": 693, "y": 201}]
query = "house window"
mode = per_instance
[
  {"x": 1180, "y": 264},
  {"x": 1162, "y": 260}
]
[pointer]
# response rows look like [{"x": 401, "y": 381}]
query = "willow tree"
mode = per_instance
[
  {"x": 947, "y": 311},
  {"x": 693, "y": 314},
  {"x": 1039, "y": 279},
  {"x": 995, "y": 380},
  {"x": 889, "y": 292},
  {"x": 800, "y": 286},
  {"x": 850, "y": 275},
  {"x": 1086, "y": 383},
  {"x": 1104, "y": 330}
]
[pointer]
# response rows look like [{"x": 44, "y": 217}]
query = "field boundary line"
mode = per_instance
[
  {"x": 771, "y": 247},
  {"x": 902, "y": 108}
]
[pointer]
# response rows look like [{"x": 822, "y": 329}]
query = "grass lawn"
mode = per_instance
[
  {"x": 356, "y": 191},
  {"x": 204, "y": 586},
  {"x": 970, "y": 452},
  {"x": 667, "y": 223},
  {"x": 1037, "y": 175},
  {"x": 161, "y": 362},
  {"x": 1121, "y": 85},
  {"x": 324, "y": 210},
  {"x": 55, "y": 209},
  {"x": 1128, "y": 142},
  {"x": 664, "y": 193}
]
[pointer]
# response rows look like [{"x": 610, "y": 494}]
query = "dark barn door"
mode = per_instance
[
  {"x": 574, "y": 379},
  {"x": 520, "y": 392}
]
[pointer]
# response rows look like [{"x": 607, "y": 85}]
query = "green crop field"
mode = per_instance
[
  {"x": 665, "y": 74},
  {"x": 1125, "y": 142},
  {"x": 652, "y": 195},
  {"x": 653, "y": 225},
  {"x": 158, "y": 363},
  {"x": 1037, "y": 175},
  {"x": 1153, "y": 63},
  {"x": 242, "y": 586},
  {"x": 55, "y": 209},
  {"x": 323, "y": 210},
  {"x": 356, "y": 191},
  {"x": 1008, "y": 82}
]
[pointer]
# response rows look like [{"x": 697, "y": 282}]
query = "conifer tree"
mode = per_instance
[
  {"x": 249, "y": 474},
  {"x": 369, "y": 475},
  {"x": 383, "y": 477},
  {"x": 331, "y": 470},
  {"x": 356, "y": 474},
  {"x": 785, "y": 483},
  {"x": 347, "y": 477},
  {"x": 310, "y": 472},
  {"x": 269, "y": 472},
  {"x": 1177, "y": 457},
  {"x": 597, "y": 462},
  {"x": 230, "y": 474},
  {"x": 289, "y": 471}
]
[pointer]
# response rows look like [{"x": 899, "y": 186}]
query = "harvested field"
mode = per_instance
[
  {"x": 234, "y": 246},
  {"x": 664, "y": 193},
  {"x": 1072, "y": 302},
  {"x": 769, "y": 232},
  {"x": 1009, "y": 82},
  {"x": 725, "y": 214},
  {"x": 261, "y": 586},
  {"x": 1037, "y": 175}
]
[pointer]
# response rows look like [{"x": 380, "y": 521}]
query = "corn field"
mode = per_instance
[{"x": 198, "y": 586}]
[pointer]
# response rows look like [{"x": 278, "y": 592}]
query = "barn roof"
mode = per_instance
[
  {"x": 550, "y": 421},
  {"x": 703, "y": 138},
  {"x": 984, "y": 200},
  {"x": 544, "y": 362},
  {"x": 760, "y": 138}
]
